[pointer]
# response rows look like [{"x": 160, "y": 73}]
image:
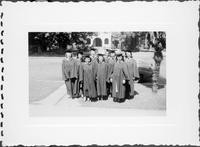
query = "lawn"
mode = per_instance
[{"x": 44, "y": 76}]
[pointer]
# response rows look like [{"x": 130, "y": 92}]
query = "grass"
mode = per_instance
[{"x": 44, "y": 76}]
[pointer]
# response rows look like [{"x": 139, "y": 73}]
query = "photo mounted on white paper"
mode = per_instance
[{"x": 97, "y": 73}]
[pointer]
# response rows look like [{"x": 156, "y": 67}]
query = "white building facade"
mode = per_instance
[{"x": 102, "y": 40}]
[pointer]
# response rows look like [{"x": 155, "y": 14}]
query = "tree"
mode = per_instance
[
  {"x": 158, "y": 42},
  {"x": 57, "y": 41},
  {"x": 115, "y": 43},
  {"x": 133, "y": 40}
]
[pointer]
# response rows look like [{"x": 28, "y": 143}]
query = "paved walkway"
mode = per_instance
[{"x": 59, "y": 104}]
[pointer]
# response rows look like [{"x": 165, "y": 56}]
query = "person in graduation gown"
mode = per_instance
[
  {"x": 80, "y": 62},
  {"x": 106, "y": 56},
  {"x": 118, "y": 78},
  {"x": 93, "y": 56},
  {"x": 75, "y": 75},
  {"x": 66, "y": 72},
  {"x": 123, "y": 53},
  {"x": 101, "y": 74},
  {"x": 133, "y": 74},
  {"x": 111, "y": 61},
  {"x": 87, "y": 79},
  {"x": 80, "y": 56}
]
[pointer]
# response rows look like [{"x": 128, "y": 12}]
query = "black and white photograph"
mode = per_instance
[{"x": 97, "y": 73}]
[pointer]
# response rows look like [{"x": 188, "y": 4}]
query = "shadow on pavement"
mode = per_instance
[{"x": 161, "y": 83}]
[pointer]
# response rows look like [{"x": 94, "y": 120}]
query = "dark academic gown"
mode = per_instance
[
  {"x": 106, "y": 59},
  {"x": 120, "y": 73},
  {"x": 79, "y": 88},
  {"x": 101, "y": 72},
  {"x": 75, "y": 77},
  {"x": 111, "y": 63},
  {"x": 133, "y": 73},
  {"x": 94, "y": 65},
  {"x": 66, "y": 75},
  {"x": 87, "y": 77}
]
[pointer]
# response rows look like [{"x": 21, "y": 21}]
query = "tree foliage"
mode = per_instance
[
  {"x": 56, "y": 41},
  {"x": 134, "y": 41}
]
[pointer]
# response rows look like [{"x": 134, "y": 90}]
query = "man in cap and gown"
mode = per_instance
[
  {"x": 66, "y": 71},
  {"x": 133, "y": 74},
  {"x": 80, "y": 62},
  {"x": 93, "y": 56},
  {"x": 80, "y": 56},
  {"x": 75, "y": 75},
  {"x": 106, "y": 55},
  {"x": 111, "y": 61}
]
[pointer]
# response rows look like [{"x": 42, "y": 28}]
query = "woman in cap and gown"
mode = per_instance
[
  {"x": 101, "y": 74},
  {"x": 118, "y": 78},
  {"x": 87, "y": 79}
]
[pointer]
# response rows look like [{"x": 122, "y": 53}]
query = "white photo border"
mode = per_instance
[{"x": 40, "y": 126}]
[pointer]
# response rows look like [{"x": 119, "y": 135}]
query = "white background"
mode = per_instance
[{"x": 179, "y": 20}]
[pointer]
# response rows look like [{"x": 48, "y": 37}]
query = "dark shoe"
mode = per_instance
[
  {"x": 94, "y": 99},
  {"x": 130, "y": 97},
  {"x": 117, "y": 100},
  {"x": 105, "y": 98},
  {"x": 121, "y": 100}
]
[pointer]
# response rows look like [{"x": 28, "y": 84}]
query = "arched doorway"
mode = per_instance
[
  {"x": 97, "y": 42},
  {"x": 88, "y": 41},
  {"x": 106, "y": 41}
]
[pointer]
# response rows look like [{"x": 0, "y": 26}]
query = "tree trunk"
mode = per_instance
[
  {"x": 155, "y": 77},
  {"x": 156, "y": 71}
]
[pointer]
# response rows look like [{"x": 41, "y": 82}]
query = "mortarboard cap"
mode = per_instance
[
  {"x": 110, "y": 50},
  {"x": 118, "y": 52},
  {"x": 128, "y": 51},
  {"x": 93, "y": 49}
]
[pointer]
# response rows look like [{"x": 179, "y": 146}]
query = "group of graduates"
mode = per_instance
[{"x": 98, "y": 75}]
